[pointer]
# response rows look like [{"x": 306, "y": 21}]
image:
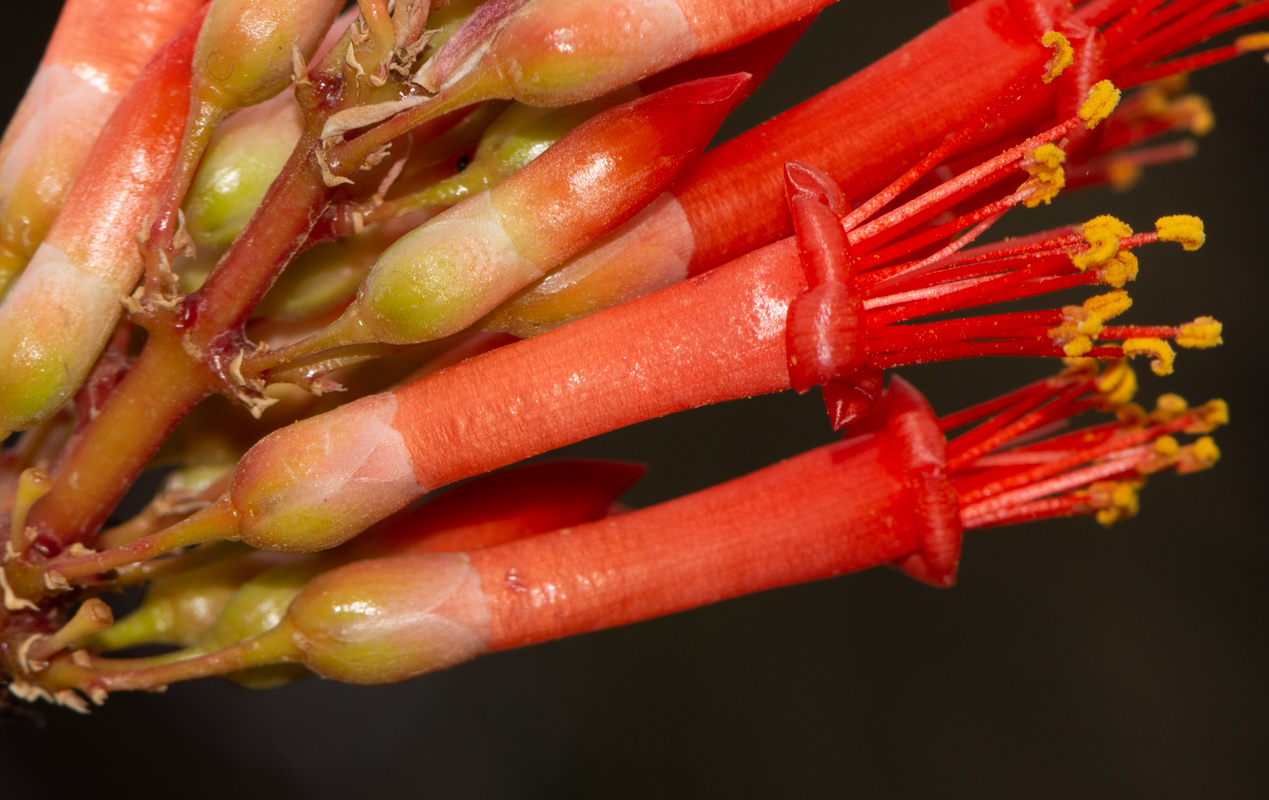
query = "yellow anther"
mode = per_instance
[
  {"x": 1073, "y": 335},
  {"x": 1168, "y": 408},
  {"x": 1077, "y": 347},
  {"x": 1112, "y": 225},
  {"x": 1161, "y": 353},
  {"x": 1210, "y": 416},
  {"x": 1126, "y": 498},
  {"x": 1195, "y": 111},
  {"x": 1118, "y": 501},
  {"x": 1123, "y": 267},
  {"x": 1102, "y": 234},
  {"x": 1200, "y": 334},
  {"x": 1183, "y": 228},
  {"x": 1123, "y": 174},
  {"x": 1155, "y": 99},
  {"x": 1117, "y": 384},
  {"x": 1173, "y": 84},
  {"x": 1102, "y": 99},
  {"x": 1063, "y": 55},
  {"x": 1200, "y": 455},
  {"x": 1249, "y": 42},
  {"x": 1049, "y": 155},
  {"x": 1109, "y": 305},
  {"x": 1132, "y": 415},
  {"x": 1165, "y": 453},
  {"x": 1091, "y": 327},
  {"x": 1044, "y": 164},
  {"x": 1080, "y": 320}
]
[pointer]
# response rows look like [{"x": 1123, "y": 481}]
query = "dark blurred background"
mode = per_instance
[{"x": 1070, "y": 661}]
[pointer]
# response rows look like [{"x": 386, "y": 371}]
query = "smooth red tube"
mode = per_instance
[
  {"x": 128, "y": 166},
  {"x": 111, "y": 40},
  {"x": 502, "y": 507},
  {"x": 838, "y": 509},
  {"x": 862, "y": 132},
  {"x": 717, "y": 337}
]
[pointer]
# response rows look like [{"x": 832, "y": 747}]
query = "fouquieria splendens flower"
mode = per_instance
[{"x": 419, "y": 242}]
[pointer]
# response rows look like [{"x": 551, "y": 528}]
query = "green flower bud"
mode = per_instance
[
  {"x": 244, "y": 157},
  {"x": 244, "y": 51},
  {"x": 390, "y": 619}
]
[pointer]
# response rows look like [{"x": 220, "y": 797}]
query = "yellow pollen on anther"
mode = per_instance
[
  {"x": 1063, "y": 55},
  {"x": 1118, "y": 499},
  {"x": 1132, "y": 415},
  {"x": 1200, "y": 334},
  {"x": 1123, "y": 174},
  {"x": 1161, "y": 353},
  {"x": 1198, "y": 456},
  {"x": 1080, "y": 321},
  {"x": 1121, "y": 269},
  {"x": 1050, "y": 155},
  {"x": 1167, "y": 446},
  {"x": 1210, "y": 416},
  {"x": 1164, "y": 456},
  {"x": 1117, "y": 384},
  {"x": 1195, "y": 111},
  {"x": 1102, "y": 234},
  {"x": 1076, "y": 347},
  {"x": 1168, "y": 408},
  {"x": 1183, "y": 228},
  {"x": 1044, "y": 164},
  {"x": 1156, "y": 98},
  {"x": 1075, "y": 334},
  {"x": 1206, "y": 449},
  {"x": 1109, "y": 305},
  {"x": 1102, "y": 99},
  {"x": 1250, "y": 42},
  {"x": 1173, "y": 84}
]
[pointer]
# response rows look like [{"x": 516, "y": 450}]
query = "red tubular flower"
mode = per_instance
[
  {"x": 735, "y": 332},
  {"x": 895, "y": 492},
  {"x": 872, "y": 275}
]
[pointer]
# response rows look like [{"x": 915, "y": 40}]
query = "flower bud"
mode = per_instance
[
  {"x": 519, "y": 135},
  {"x": 257, "y": 606},
  {"x": 245, "y": 155},
  {"x": 180, "y": 609},
  {"x": 391, "y": 619},
  {"x": 244, "y": 52}
]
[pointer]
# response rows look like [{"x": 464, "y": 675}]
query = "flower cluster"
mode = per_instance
[{"x": 431, "y": 242}]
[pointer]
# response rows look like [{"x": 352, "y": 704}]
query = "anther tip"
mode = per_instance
[
  {"x": 1118, "y": 501},
  {"x": 1183, "y": 228},
  {"x": 1196, "y": 112},
  {"x": 1251, "y": 42},
  {"x": 1202, "y": 454},
  {"x": 1102, "y": 234},
  {"x": 1102, "y": 99},
  {"x": 1109, "y": 305},
  {"x": 1162, "y": 356},
  {"x": 1117, "y": 385},
  {"x": 1120, "y": 269},
  {"x": 1200, "y": 334},
  {"x": 1044, "y": 164},
  {"x": 1212, "y": 415},
  {"x": 1063, "y": 55}
]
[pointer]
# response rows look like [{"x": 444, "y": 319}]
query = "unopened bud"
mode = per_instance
[
  {"x": 244, "y": 52},
  {"x": 390, "y": 619},
  {"x": 245, "y": 155}
]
